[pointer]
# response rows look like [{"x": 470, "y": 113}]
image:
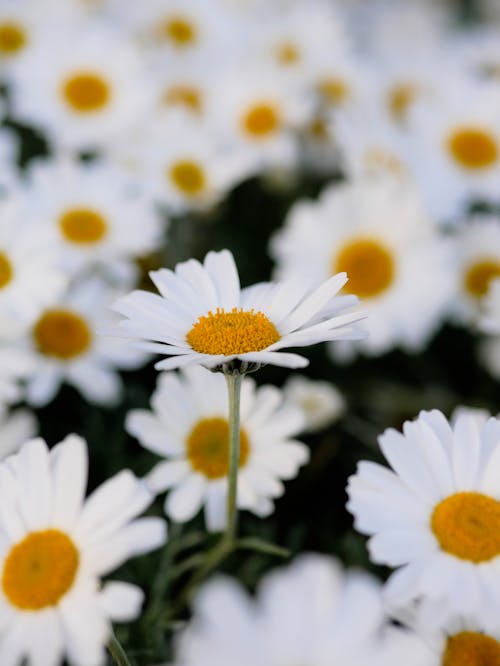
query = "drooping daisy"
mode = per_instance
[
  {"x": 94, "y": 212},
  {"x": 65, "y": 347},
  {"x": 86, "y": 89},
  {"x": 378, "y": 234},
  {"x": 15, "y": 429},
  {"x": 310, "y": 612},
  {"x": 436, "y": 514},
  {"x": 188, "y": 425},
  {"x": 204, "y": 317},
  {"x": 321, "y": 402},
  {"x": 55, "y": 548}
]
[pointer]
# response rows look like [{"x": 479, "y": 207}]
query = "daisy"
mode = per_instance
[
  {"x": 15, "y": 429},
  {"x": 310, "y": 612},
  {"x": 203, "y": 316},
  {"x": 65, "y": 347},
  {"x": 20, "y": 24},
  {"x": 55, "y": 549},
  {"x": 321, "y": 402},
  {"x": 94, "y": 212},
  {"x": 86, "y": 89},
  {"x": 436, "y": 516},
  {"x": 378, "y": 234},
  {"x": 189, "y": 427}
]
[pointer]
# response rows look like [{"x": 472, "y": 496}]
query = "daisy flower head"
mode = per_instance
[
  {"x": 189, "y": 427},
  {"x": 310, "y": 612},
  {"x": 435, "y": 515},
  {"x": 19, "y": 30},
  {"x": 376, "y": 232},
  {"x": 55, "y": 548},
  {"x": 64, "y": 347},
  {"x": 203, "y": 316},
  {"x": 321, "y": 402}
]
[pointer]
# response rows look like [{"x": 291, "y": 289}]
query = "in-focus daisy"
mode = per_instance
[
  {"x": 310, "y": 612},
  {"x": 189, "y": 427},
  {"x": 55, "y": 549},
  {"x": 203, "y": 316},
  {"x": 436, "y": 514},
  {"x": 321, "y": 402},
  {"x": 65, "y": 347},
  {"x": 378, "y": 234}
]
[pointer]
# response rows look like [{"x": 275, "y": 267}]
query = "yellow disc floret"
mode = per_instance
[
  {"x": 184, "y": 95},
  {"x": 62, "y": 334},
  {"x": 287, "y": 53},
  {"x": 6, "y": 271},
  {"x": 399, "y": 100},
  {"x": 333, "y": 90},
  {"x": 207, "y": 447},
  {"x": 86, "y": 92},
  {"x": 188, "y": 177},
  {"x": 479, "y": 275},
  {"x": 369, "y": 266},
  {"x": 179, "y": 31},
  {"x": 83, "y": 226},
  {"x": 467, "y": 525},
  {"x": 469, "y": 648},
  {"x": 12, "y": 38},
  {"x": 235, "y": 332},
  {"x": 39, "y": 570},
  {"x": 473, "y": 148},
  {"x": 261, "y": 120}
]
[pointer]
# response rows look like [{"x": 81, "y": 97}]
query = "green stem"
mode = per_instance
[
  {"x": 234, "y": 381},
  {"x": 117, "y": 652}
]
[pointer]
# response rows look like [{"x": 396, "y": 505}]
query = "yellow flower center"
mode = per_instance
[
  {"x": 188, "y": 177},
  {"x": 333, "y": 90},
  {"x": 380, "y": 159},
  {"x": 399, "y": 100},
  {"x": 208, "y": 447},
  {"x": 62, "y": 334},
  {"x": 318, "y": 129},
  {"x": 369, "y": 266},
  {"x": 473, "y": 148},
  {"x": 261, "y": 121},
  {"x": 86, "y": 92},
  {"x": 12, "y": 38},
  {"x": 179, "y": 31},
  {"x": 6, "y": 271},
  {"x": 467, "y": 525},
  {"x": 83, "y": 226},
  {"x": 186, "y": 96},
  {"x": 478, "y": 276},
  {"x": 39, "y": 570},
  {"x": 235, "y": 332},
  {"x": 287, "y": 53},
  {"x": 471, "y": 649}
]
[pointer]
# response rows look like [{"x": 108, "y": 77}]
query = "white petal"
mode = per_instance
[
  {"x": 121, "y": 602},
  {"x": 184, "y": 502}
]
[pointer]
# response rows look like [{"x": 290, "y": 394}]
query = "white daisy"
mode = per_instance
[
  {"x": 203, "y": 316},
  {"x": 94, "y": 212},
  {"x": 437, "y": 515},
  {"x": 55, "y": 548},
  {"x": 321, "y": 402},
  {"x": 378, "y": 234},
  {"x": 189, "y": 426},
  {"x": 20, "y": 24},
  {"x": 310, "y": 612},
  {"x": 15, "y": 429},
  {"x": 65, "y": 347}
]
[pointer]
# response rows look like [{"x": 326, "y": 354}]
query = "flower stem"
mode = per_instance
[
  {"x": 234, "y": 381},
  {"x": 117, "y": 652}
]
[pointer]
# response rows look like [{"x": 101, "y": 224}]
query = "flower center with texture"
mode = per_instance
[
  {"x": 235, "y": 332},
  {"x": 12, "y": 38},
  {"x": 467, "y": 525},
  {"x": 471, "y": 649},
  {"x": 188, "y": 177},
  {"x": 287, "y": 53},
  {"x": 333, "y": 90},
  {"x": 369, "y": 267},
  {"x": 62, "y": 334},
  {"x": 83, "y": 226},
  {"x": 6, "y": 271},
  {"x": 184, "y": 95},
  {"x": 399, "y": 100},
  {"x": 208, "y": 447},
  {"x": 261, "y": 121},
  {"x": 86, "y": 92},
  {"x": 478, "y": 277},
  {"x": 39, "y": 570},
  {"x": 473, "y": 148},
  {"x": 179, "y": 31}
]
